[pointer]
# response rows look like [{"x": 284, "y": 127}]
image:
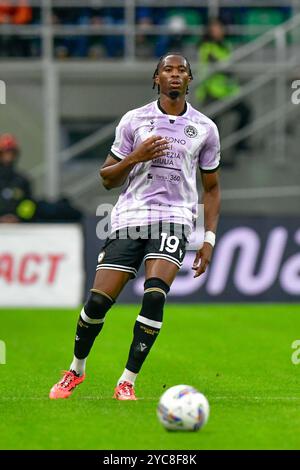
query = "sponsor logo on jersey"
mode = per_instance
[
  {"x": 190, "y": 131},
  {"x": 175, "y": 140},
  {"x": 172, "y": 178}
]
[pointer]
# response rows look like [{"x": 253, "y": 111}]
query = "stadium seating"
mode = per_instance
[
  {"x": 97, "y": 46},
  {"x": 268, "y": 17}
]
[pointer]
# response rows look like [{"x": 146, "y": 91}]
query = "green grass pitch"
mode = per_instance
[{"x": 239, "y": 356}]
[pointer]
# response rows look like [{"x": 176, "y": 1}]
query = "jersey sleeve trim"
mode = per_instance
[
  {"x": 117, "y": 155},
  {"x": 210, "y": 170},
  {"x": 112, "y": 154}
]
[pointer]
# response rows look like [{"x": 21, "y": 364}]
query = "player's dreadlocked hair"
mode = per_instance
[{"x": 162, "y": 58}]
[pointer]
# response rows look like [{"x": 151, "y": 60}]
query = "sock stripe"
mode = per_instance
[
  {"x": 155, "y": 289},
  {"x": 148, "y": 322},
  {"x": 127, "y": 376},
  {"x": 103, "y": 293},
  {"x": 91, "y": 321},
  {"x": 78, "y": 365}
]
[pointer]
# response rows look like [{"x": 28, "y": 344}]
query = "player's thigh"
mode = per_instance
[
  {"x": 111, "y": 282},
  {"x": 165, "y": 251},
  {"x": 165, "y": 270},
  {"x": 118, "y": 262}
]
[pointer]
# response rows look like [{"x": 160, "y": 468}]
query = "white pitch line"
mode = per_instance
[
  {"x": 258, "y": 398},
  {"x": 212, "y": 398}
]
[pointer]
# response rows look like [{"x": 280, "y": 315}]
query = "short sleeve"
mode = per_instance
[
  {"x": 123, "y": 143},
  {"x": 209, "y": 156}
]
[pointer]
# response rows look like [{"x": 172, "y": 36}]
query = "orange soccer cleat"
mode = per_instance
[
  {"x": 124, "y": 391},
  {"x": 66, "y": 385}
]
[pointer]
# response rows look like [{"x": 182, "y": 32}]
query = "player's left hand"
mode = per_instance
[{"x": 203, "y": 256}]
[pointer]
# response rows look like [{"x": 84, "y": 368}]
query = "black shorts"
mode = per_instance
[{"x": 126, "y": 249}]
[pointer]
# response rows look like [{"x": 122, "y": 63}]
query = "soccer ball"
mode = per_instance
[{"x": 183, "y": 408}]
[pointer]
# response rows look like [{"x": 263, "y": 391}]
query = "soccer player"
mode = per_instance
[{"x": 155, "y": 156}]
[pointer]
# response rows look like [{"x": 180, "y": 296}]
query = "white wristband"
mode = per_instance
[{"x": 210, "y": 237}]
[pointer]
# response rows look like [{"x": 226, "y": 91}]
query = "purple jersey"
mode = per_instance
[{"x": 164, "y": 188}]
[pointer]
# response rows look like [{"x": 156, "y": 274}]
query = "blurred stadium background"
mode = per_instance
[
  {"x": 69, "y": 69},
  {"x": 72, "y": 68}
]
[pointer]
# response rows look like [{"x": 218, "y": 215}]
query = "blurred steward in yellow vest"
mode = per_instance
[
  {"x": 221, "y": 85},
  {"x": 16, "y": 203}
]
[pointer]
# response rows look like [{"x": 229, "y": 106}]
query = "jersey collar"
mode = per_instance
[{"x": 185, "y": 109}]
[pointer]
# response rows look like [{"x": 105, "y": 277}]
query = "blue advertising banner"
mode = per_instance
[{"x": 256, "y": 259}]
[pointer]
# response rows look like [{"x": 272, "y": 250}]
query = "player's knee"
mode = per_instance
[
  {"x": 96, "y": 307},
  {"x": 155, "y": 294}
]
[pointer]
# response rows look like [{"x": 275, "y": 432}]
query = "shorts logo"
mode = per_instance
[
  {"x": 190, "y": 131},
  {"x": 101, "y": 256}
]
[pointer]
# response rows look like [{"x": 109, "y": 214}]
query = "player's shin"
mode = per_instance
[
  {"x": 147, "y": 327},
  {"x": 89, "y": 325}
]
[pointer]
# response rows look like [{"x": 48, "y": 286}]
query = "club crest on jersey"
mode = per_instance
[
  {"x": 190, "y": 131},
  {"x": 101, "y": 256}
]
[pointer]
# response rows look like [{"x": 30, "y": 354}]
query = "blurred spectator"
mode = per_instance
[
  {"x": 102, "y": 46},
  {"x": 70, "y": 46},
  {"x": 221, "y": 85},
  {"x": 15, "y": 13},
  {"x": 61, "y": 210},
  {"x": 96, "y": 48},
  {"x": 91, "y": 46},
  {"x": 113, "y": 45},
  {"x": 176, "y": 22},
  {"x": 144, "y": 42},
  {"x": 16, "y": 202}
]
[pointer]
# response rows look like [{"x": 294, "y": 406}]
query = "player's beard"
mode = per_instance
[{"x": 174, "y": 94}]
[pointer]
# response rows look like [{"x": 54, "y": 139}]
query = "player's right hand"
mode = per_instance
[{"x": 151, "y": 148}]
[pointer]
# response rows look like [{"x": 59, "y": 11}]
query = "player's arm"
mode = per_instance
[
  {"x": 209, "y": 161},
  {"x": 114, "y": 173},
  {"x": 211, "y": 198}
]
